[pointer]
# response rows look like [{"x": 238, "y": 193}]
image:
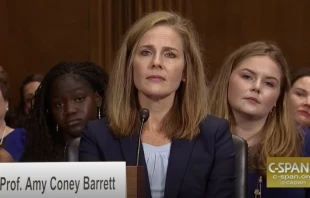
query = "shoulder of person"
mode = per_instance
[
  {"x": 99, "y": 127},
  {"x": 99, "y": 123},
  {"x": 16, "y": 133},
  {"x": 307, "y": 141},
  {"x": 212, "y": 124}
]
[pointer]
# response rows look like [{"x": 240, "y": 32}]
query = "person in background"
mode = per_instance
[
  {"x": 70, "y": 94},
  {"x": 11, "y": 139},
  {"x": 185, "y": 152},
  {"x": 17, "y": 117},
  {"x": 252, "y": 91},
  {"x": 300, "y": 96},
  {"x": 27, "y": 91}
]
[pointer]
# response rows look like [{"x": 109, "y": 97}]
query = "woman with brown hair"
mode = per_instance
[
  {"x": 18, "y": 117},
  {"x": 300, "y": 96},
  {"x": 185, "y": 152},
  {"x": 251, "y": 91},
  {"x": 11, "y": 140}
]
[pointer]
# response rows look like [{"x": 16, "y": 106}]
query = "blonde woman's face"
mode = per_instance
[
  {"x": 300, "y": 100},
  {"x": 254, "y": 87},
  {"x": 158, "y": 63}
]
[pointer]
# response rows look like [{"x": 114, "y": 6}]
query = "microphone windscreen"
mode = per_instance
[{"x": 144, "y": 114}]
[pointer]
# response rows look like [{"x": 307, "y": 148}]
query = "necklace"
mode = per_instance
[
  {"x": 65, "y": 149},
  {"x": 258, "y": 190},
  {"x": 3, "y": 133}
]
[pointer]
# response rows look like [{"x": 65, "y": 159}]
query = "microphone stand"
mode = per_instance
[
  {"x": 139, "y": 142},
  {"x": 144, "y": 116}
]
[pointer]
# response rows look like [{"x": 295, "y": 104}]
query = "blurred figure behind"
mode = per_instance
[
  {"x": 17, "y": 117},
  {"x": 27, "y": 92},
  {"x": 11, "y": 139},
  {"x": 300, "y": 96}
]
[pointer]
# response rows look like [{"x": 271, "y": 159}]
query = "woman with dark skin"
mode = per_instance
[{"x": 71, "y": 94}]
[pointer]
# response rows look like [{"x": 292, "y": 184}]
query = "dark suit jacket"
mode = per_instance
[{"x": 203, "y": 167}]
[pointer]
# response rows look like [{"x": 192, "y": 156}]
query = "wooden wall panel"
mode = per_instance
[
  {"x": 38, "y": 34},
  {"x": 226, "y": 25},
  {"x": 223, "y": 25},
  {"x": 118, "y": 16}
]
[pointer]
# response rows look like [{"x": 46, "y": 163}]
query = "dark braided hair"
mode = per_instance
[{"x": 44, "y": 143}]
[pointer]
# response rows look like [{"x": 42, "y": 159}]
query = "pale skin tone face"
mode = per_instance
[
  {"x": 253, "y": 91},
  {"x": 300, "y": 100},
  {"x": 4, "y": 106},
  {"x": 29, "y": 92},
  {"x": 158, "y": 66}
]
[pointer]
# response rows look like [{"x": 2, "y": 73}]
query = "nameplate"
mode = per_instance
[{"x": 63, "y": 179}]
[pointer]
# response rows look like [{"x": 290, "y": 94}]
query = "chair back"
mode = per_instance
[
  {"x": 241, "y": 183},
  {"x": 72, "y": 150}
]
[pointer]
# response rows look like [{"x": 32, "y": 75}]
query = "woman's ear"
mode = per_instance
[
  {"x": 184, "y": 74},
  {"x": 7, "y": 106},
  {"x": 98, "y": 99}
]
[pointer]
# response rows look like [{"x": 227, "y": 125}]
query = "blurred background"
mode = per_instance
[{"x": 37, "y": 34}]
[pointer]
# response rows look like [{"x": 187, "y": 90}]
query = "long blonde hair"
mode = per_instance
[
  {"x": 280, "y": 135},
  {"x": 190, "y": 106}
]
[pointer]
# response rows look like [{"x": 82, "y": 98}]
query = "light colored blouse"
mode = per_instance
[{"x": 156, "y": 158}]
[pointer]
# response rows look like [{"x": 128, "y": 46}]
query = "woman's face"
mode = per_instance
[
  {"x": 4, "y": 105},
  {"x": 254, "y": 87},
  {"x": 300, "y": 100},
  {"x": 158, "y": 63},
  {"x": 73, "y": 103},
  {"x": 29, "y": 93}
]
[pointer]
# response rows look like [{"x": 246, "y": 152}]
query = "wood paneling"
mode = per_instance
[
  {"x": 36, "y": 34},
  {"x": 226, "y": 25}
]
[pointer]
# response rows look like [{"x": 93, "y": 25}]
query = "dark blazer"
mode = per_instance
[{"x": 203, "y": 167}]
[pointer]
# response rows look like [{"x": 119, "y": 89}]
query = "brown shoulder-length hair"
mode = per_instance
[
  {"x": 190, "y": 105},
  {"x": 280, "y": 136}
]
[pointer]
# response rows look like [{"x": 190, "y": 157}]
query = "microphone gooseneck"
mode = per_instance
[{"x": 144, "y": 116}]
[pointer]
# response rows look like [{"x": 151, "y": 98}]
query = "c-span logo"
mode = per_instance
[{"x": 288, "y": 172}]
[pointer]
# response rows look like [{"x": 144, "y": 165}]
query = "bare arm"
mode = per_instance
[{"x": 5, "y": 156}]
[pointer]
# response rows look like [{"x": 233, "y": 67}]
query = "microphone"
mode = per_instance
[{"x": 144, "y": 115}]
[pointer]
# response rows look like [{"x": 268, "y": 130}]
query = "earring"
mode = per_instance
[
  {"x": 98, "y": 112},
  {"x": 56, "y": 127},
  {"x": 272, "y": 110}
]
